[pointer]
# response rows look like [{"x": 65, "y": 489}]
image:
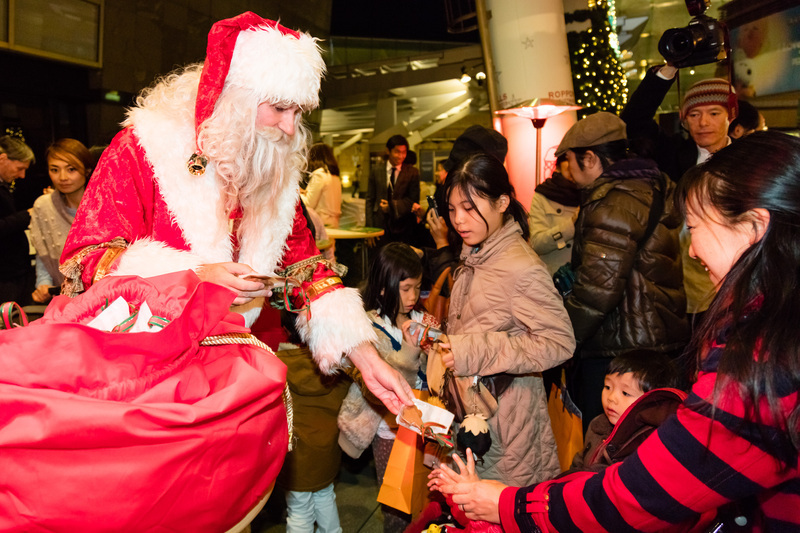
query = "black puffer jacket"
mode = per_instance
[{"x": 627, "y": 296}]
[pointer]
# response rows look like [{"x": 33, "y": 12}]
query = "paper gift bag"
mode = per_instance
[
  {"x": 566, "y": 421},
  {"x": 405, "y": 481}
]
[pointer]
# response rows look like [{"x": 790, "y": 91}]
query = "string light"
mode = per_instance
[{"x": 599, "y": 80}]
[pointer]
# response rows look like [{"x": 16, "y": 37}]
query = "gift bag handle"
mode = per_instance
[{"x": 7, "y": 310}]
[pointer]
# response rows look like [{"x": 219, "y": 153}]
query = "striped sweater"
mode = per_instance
[{"x": 680, "y": 476}]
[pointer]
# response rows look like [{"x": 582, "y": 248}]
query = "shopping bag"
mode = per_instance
[
  {"x": 173, "y": 430},
  {"x": 405, "y": 480},
  {"x": 437, "y": 304},
  {"x": 565, "y": 419}
]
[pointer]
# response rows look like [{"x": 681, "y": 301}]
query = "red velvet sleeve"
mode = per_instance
[
  {"x": 122, "y": 202},
  {"x": 112, "y": 206},
  {"x": 301, "y": 247}
]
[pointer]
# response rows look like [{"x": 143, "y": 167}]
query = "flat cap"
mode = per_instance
[{"x": 600, "y": 128}]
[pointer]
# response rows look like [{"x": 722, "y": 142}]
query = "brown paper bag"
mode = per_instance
[
  {"x": 566, "y": 422},
  {"x": 405, "y": 482}
]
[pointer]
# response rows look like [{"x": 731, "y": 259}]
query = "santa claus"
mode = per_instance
[{"x": 205, "y": 176}]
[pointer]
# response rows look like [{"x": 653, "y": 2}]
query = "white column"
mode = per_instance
[{"x": 531, "y": 60}]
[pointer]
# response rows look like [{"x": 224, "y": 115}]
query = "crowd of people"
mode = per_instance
[{"x": 675, "y": 334}]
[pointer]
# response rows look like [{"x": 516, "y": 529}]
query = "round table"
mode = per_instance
[{"x": 356, "y": 233}]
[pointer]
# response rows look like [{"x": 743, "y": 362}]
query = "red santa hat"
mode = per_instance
[{"x": 273, "y": 63}]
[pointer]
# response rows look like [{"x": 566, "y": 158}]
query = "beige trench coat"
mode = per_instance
[{"x": 506, "y": 316}]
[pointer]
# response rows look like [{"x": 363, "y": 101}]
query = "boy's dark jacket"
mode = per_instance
[{"x": 606, "y": 444}]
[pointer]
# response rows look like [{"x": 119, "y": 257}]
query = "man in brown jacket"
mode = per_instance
[{"x": 628, "y": 292}]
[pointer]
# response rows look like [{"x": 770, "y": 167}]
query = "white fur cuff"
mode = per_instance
[
  {"x": 148, "y": 258},
  {"x": 338, "y": 324}
]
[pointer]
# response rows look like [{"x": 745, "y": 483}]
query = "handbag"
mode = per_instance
[
  {"x": 437, "y": 304},
  {"x": 150, "y": 431},
  {"x": 465, "y": 395}
]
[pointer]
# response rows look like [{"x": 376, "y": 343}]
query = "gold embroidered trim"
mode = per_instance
[
  {"x": 73, "y": 267},
  {"x": 320, "y": 287},
  {"x": 304, "y": 270},
  {"x": 108, "y": 259}
]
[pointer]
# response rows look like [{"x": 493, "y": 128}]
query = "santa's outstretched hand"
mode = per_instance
[
  {"x": 228, "y": 275},
  {"x": 382, "y": 380}
]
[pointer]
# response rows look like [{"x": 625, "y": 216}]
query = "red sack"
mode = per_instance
[{"x": 137, "y": 431}]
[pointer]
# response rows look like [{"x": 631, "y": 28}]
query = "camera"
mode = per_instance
[{"x": 701, "y": 41}]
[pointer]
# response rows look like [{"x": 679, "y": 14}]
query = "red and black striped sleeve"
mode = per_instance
[{"x": 698, "y": 460}]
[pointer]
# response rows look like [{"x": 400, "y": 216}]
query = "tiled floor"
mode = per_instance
[{"x": 356, "y": 493}]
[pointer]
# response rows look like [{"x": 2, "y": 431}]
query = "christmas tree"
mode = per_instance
[{"x": 597, "y": 76}]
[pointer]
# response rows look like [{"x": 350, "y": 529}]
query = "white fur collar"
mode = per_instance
[{"x": 194, "y": 201}]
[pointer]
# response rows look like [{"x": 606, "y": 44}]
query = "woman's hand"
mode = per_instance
[
  {"x": 42, "y": 294},
  {"x": 479, "y": 500},
  {"x": 448, "y": 359},
  {"x": 437, "y": 228},
  {"x": 228, "y": 275},
  {"x": 382, "y": 380}
]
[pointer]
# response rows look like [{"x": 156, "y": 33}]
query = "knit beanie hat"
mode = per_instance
[{"x": 713, "y": 91}]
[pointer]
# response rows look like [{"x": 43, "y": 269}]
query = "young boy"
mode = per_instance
[{"x": 638, "y": 395}]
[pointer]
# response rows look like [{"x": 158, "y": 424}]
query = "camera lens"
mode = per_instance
[{"x": 676, "y": 44}]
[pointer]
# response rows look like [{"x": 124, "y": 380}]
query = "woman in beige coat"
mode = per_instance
[{"x": 505, "y": 317}]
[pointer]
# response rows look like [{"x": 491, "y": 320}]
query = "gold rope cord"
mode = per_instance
[{"x": 247, "y": 338}]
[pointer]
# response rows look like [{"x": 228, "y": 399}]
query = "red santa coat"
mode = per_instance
[{"x": 143, "y": 193}]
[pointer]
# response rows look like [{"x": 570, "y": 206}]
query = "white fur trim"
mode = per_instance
[
  {"x": 168, "y": 142},
  {"x": 338, "y": 324},
  {"x": 148, "y": 258},
  {"x": 277, "y": 67}
]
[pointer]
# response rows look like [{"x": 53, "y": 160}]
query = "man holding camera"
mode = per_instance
[{"x": 706, "y": 111}]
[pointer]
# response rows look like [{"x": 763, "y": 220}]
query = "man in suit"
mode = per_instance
[{"x": 392, "y": 191}]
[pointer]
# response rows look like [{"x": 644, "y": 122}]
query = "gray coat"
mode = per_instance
[{"x": 506, "y": 316}]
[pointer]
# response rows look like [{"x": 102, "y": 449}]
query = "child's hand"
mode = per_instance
[
  {"x": 443, "y": 476},
  {"x": 413, "y": 340}
]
